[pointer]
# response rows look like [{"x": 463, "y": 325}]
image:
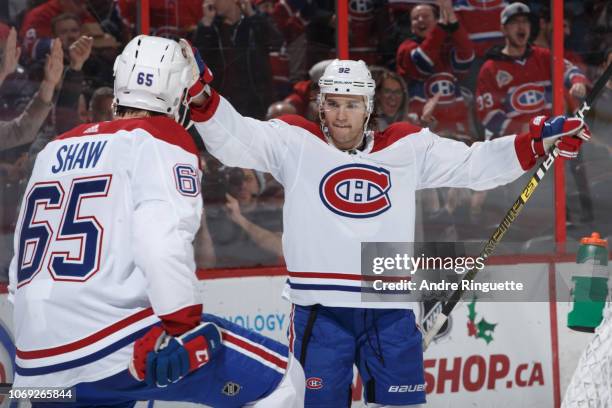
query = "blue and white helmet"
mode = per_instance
[
  {"x": 348, "y": 77},
  {"x": 152, "y": 73}
]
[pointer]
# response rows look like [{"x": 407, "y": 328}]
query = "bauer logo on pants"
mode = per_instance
[{"x": 356, "y": 190}]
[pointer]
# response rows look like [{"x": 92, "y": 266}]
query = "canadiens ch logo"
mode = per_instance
[
  {"x": 314, "y": 383},
  {"x": 528, "y": 98},
  {"x": 356, "y": 190},
  {"x": 444, "y": 84},
  {"x": 231, "y": 389},
  {"x": 361, "y": 9}
]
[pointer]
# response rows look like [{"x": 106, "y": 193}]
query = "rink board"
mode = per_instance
[{"x": 526, "y": 360}]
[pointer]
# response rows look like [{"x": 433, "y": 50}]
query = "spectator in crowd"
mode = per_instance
[
  {"x": 77, "y": 49},
  {"x": 65, "y": 114},
  {"x": 391, "y": 100},
  {"x": 292, "y": 26},
  {"x": 171, "y": 19},
  {"x": 264, "y": 6},
  {"x": 98, "y": 69},
  {"x": 544, "y": 36},
  {"x": 83, "y": 109},
  {"x": 280, "y": 108},
  {"x": 67, "y": 28},
  {"x": 600, "y": 27},
  {"x": 110, "y": 20},
  {"x": 236, "y": 42},
  {"x": 204, "y": 249},
  {"x": 321, "y": 28},
  {"x": 602, "y": 111},
  {"x": 367, "y": 29},
  {"x": 305, "y": 92},
  {"x": 431, "y": 60},
  {"x": 245, "y": 232},
  {"x": 544, "y": 40},
  {"x": 101, "y": 105},
  {"x": 481, "y": 21},
  {"x": 4, "y": 31},
  {"x": 36, "y": 30},
  {"x": 23, "y": 129},
  {"x": 515, "y": 84},
  {"x": 247, "y": 202}
]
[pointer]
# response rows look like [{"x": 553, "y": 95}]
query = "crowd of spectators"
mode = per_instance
[{"x": 455, "y": 66}]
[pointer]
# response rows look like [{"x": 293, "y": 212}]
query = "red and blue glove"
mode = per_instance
[
  {"x": 567, "y": 134},
  {"x": 160, "y": 359},
  {"x": 201, "y": 74}
]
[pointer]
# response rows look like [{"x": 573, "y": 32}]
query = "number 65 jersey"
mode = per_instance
[{"x": 102, "y": 247}]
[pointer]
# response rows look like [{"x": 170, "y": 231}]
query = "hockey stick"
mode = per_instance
[{"x": 511, "y": 215}]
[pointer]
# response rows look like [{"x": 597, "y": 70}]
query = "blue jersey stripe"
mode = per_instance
[{"x": 342, "y": 288}]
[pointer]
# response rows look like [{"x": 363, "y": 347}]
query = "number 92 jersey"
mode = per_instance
[{"x": 102, "y": 247}]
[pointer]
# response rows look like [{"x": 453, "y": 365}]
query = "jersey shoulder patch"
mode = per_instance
[
  {"x": 299, "y": 121},
  {"x": 160, "y": 127},
  {"x": 392, "y": 134}
]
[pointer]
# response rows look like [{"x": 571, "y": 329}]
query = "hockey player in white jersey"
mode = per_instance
[
  {"x": 345, "y": 184},
  {"x": 103, "y": 280}
]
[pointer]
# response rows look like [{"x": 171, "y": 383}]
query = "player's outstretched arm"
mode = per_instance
[
  {"x": 233, "y": 139},
  {"x": 485, "y": 165}
]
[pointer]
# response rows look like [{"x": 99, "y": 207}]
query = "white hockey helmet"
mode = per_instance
[
  {"x": 348, "y": 77},
  {"x": 152, "y": 73}
]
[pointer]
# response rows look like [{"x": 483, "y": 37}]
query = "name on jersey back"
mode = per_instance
[{"x": 79, "y": 155}]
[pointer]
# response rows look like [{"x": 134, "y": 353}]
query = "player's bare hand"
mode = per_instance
[
  {"x": 79, "y": 52},
  {"x": 578, "y": 91},
  {"x": 54, "y": 65},
  {"x": 209, "y": 12},
  {"x": 11, "y": 55}
]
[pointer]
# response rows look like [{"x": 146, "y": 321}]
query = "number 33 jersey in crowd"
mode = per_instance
[
  {"x": 102, "y": 246},
  {"x": 335, "y": 200}
]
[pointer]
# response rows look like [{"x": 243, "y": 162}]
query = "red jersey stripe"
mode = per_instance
[
  {"x": 255, "y": 349},
  {"x": 66, "y": 348}
]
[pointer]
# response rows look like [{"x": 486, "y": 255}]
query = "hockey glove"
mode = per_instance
[
  {"x": 566, "y": 133},
  {"x": 160, "y": 359},
  {"x": 201, "y": 74},
  {"x": 142, "y": 347}
]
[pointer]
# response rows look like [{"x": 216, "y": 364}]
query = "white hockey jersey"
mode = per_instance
[
  {"x": 335, "y": 200},
  {"x": 102, "y": 247}
]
